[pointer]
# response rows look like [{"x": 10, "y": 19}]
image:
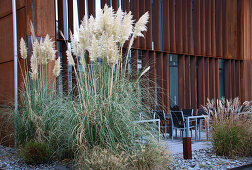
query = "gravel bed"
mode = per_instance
[
  {"x": 9, "y": 159},
  {"x": 205, "y": 159},
  {"x": 201, "y": 159}
]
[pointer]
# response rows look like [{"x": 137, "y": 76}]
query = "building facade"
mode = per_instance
[{"x": 196, "y": 49}]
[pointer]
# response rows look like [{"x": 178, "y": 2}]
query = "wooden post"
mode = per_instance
[{"x": 187, "y": 148}]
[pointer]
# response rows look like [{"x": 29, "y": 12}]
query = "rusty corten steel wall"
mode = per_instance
[
  {"x": 27, "y": 10},
  {"x": 200, "y": 32}
]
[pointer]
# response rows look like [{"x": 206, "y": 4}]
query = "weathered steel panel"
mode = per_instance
[
  {"x": 142, "y": 40},
  {"x": 148, "y": 38},
  {"x": 219, "y": 47},
  {"x": 166, "y": 25},
  {"x": 135, "y": 12},
  {"x": 156, "y": 25},
  {"x": 179, "y": 26},
  {"x": 207, "y": 90},
  {"x": 91, "y": 7},
  {"x": 208, "y": 28},
  {"x": 172, "y": 26},
  {"x": 159, "y": 77},
  {"x": 212, "y": 79},
  {"x": 217, "y": 80},
  {"x": 228, "y": 88},
  {"x": 166, "y": 81},
  {"x": 45, "y": 18},
  {"x": 6, "y": 7},
  {"x": 213, "y": 29},
  {"x": 196, "y": 28},
  {"x": 190, "y": 27},
  {"x": 181, "y": 80},
  {"x": 187, "y": 83},
  {"x": 201, "y": 81},
  {"x": 152, "y": 78},
  {"x": 193, "y": 81},
  {"x": 115, "y": 4},
  {"x": 184, "y": 27},
  {"x": 203, "y": 27},
  {"x": 81, "y": 10},
  {"x": 6, "y": 38}
]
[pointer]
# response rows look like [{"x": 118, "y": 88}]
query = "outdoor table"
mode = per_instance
[
  {"x": 151, "y": 120},
  {"x": 195, "y": 118}
]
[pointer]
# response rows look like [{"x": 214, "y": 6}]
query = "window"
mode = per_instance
[
  {"x": 173, "y": 79},
  {"x": 221, "y": 78}
]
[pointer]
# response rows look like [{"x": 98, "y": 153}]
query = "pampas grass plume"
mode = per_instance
[
  {"x": 23, "y": 49},
  {"x": 70, "y": 58},
  {"x": 57, "y": 68},
  {"x": 140, "y": 26}
]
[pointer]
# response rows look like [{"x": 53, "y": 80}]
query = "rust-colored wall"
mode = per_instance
[
  {"x": 200, "y": 31},
  {"x": 42, "y": 14}
]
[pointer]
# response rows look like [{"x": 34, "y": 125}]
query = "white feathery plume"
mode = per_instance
[
  {"x": 36, "y": 49},
  {"x": 93, "y": 49},
  {"x": 125, "y": 29},
  {"x": 105, "y": 21},
  {"x": 117, "y": 23},
  {"x": 91, "y": 25},
  {"x": 83, "y": 37},
  {"x": 75, "y": 45},
  {"x": 140, "y": 26},
  {"x": 34, "y": 67},
  {"x": 57, "y": 68},
  {"x": 23, "y": 49},
  {"x": 70, "y": 58},
  {"x": 48, "y": 49},
  {"x": 112, "y": 51}
]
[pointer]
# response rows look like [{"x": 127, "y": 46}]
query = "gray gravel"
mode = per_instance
[
  {"x": 9, "y": 159},
  {"x": 202, "y": 159},
  {"x": 205, "y": 159}
]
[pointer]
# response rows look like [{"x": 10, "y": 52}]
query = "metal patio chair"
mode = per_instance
[
  {"x": 178, "y": 122},
  {"x": 160, "y": 114},
  {"x": 201, "y": 112}
]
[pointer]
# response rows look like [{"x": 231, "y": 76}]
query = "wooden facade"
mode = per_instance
[{"x": 199, "y": 32}]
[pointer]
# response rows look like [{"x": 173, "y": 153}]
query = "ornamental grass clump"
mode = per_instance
[
  {"x": 101, "y": 112},
  {"x": 43, "y": 117},
  {"x": 108, "y": 102},
  {"x": 231, "y": 127}
]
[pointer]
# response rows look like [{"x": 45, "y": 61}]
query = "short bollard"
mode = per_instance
[{"x": 187, "y": 148}]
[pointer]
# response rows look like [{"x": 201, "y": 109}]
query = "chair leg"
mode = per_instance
[
  {"x": 200, "y": 124},
  {"x": 165, "y": 129},
  {"x": 196, "y": 132},
  {"x": 172, "y": 134}
]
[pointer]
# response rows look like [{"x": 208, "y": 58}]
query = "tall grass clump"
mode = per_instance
[
  {"x": 231, "y": 127},
  {"x": 101, "y": 114},
  {"x": 108, "y": 102},
  {"x": 43, "y": 117}
]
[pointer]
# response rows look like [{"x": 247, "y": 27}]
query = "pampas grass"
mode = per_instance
[
  {"x": 106, "y": 105},
  {"x": 231, "y": 127}
]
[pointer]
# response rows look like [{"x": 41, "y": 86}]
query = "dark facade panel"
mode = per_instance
[
  {"x": 166, "y": 26},
  {"x": 142, "y": 11},
  {"x": 179, "y": 26},
  {"x": 156, "y": 25},
  {"x": 181, "y": 80},
  {"x": 166, "y": 81},
  {"x": 159, "y": 77},
  {"x": 148, "y": 6}
]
